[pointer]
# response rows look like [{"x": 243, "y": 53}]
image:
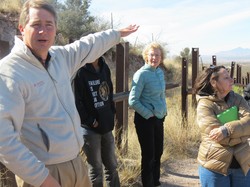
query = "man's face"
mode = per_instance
[{"x": 39, "y": 33}]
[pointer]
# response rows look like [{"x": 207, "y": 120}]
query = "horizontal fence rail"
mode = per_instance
[{"x": 124, "y": 95}]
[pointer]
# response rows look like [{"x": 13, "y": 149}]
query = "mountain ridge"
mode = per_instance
[{"x": 238, "y": 54}]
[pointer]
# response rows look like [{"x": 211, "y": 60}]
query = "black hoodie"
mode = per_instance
[{"x": 94, "y": 97}]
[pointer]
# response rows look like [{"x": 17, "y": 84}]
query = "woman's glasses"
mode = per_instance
[{"x": 154, "y": 55}]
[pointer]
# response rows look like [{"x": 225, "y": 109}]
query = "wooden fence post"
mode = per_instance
[
  {"x": 195, "y": 69},
  {"x": 238, "y": 74},
  {"x": 232, "y": 69},
  {"x": 125, "y": 102},
  {"x": 214, "y": 62},
  {"x": 247, "y": 78},
  {"x": 184, "y": 92},
  {"x": 121, "y": 126}
]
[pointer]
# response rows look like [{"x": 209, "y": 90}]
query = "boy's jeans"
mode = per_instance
[{"x": 100, "y": 151}]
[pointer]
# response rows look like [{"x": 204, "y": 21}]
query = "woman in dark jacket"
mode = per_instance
[{"x": 94, "y": 101}]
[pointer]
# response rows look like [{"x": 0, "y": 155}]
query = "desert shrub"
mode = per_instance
[
  {"x": 238, "y": 89},
  {"x": 11, "y": 7}
]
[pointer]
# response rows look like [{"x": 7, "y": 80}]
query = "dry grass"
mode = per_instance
[
  {"x": 8, "y": 6},
  {"x": 173, "y": 71},
  {"x": 179, "y": 141},
  {"x": 7, "y": 177},
  {"x": 129, "y": 164}
]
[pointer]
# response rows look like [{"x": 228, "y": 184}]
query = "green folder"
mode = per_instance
[{"x": 228, "y": 115}]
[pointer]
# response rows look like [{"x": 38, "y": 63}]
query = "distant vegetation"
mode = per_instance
[
  {"x": 74, "y": 19},
  {"x": 11, "y": 7}
]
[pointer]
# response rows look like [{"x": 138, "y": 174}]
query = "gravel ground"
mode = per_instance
[{"x": 180, "y": 173}]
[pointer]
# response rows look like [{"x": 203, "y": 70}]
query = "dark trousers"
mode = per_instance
[{"x": 150, "y": 135}]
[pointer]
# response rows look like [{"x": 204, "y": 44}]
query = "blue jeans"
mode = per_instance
[
  {"x": 235, "y": 178},
  {"x": 100, "y": 151}
]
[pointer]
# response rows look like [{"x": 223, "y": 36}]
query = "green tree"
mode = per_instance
[
  {"x": 185, "y": 53},
  {"x": 74, "y": 19}
]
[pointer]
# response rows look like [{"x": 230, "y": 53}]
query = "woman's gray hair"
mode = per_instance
[{"x": 153, "y": 45}]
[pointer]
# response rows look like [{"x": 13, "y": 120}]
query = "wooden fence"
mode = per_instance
[
  {"x": 122, "y": 90},
  {"x": 239, "y": 80}
]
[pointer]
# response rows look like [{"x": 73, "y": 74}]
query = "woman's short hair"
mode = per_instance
[{"x": 153, "y": 45}]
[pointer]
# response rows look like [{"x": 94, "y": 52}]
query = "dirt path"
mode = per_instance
[{"x": 180, "y": 173}]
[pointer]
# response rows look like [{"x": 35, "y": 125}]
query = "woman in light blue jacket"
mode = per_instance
[{"x": 147, "y": 97}]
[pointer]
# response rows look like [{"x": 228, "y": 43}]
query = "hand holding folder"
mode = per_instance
[{"x": 228, "y": 115}]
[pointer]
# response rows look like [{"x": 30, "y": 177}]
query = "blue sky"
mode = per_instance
[{"x": 210, "y": 25}]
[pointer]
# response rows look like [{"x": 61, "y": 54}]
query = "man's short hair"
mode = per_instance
[{"x": 24, "y": 16}]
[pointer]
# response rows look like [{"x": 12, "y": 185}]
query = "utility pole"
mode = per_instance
[{"x": 111, "y": 20}]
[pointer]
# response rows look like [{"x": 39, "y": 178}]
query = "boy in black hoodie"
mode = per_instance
[{"x": 94, "y": 101}]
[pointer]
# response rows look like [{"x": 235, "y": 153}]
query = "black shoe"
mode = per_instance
[{"x": 157, "y": 184}]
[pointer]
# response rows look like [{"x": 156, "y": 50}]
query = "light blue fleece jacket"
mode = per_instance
[
  {"x": 147, "y": 96},
  {"x": 39, "y": 123}
]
